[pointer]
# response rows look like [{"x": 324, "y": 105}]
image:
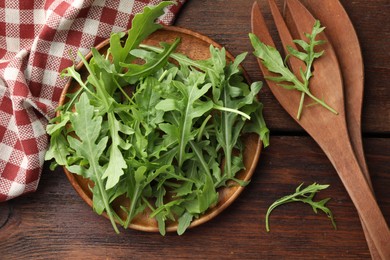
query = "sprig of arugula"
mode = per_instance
[
  {"x": 273, "y": 61},
  {"x": 165, "y": 133},
  {"x": 305, "y": 195}
]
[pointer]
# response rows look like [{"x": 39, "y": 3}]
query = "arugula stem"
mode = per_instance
[
  {"x": 307, "y": 77},
  {"x": 321, "y": 102},
  {"x": 182, "y": 144},
  {"x": 146, "y": 201},
  {"x": 103, "y": 192},
  {"x": 166, "y": 206},
  {"x": 163, "y": 75},
  {"x": 100, "y": 89},
  {"x": 132, "y": 206},
  {"x": 179, "y": 57},
  {"x": 228, "y": 147},
  {"x": 306, "y": 91},
  {"x": 74, "y": 98},
  {"x": 200, "y": 157},
  {"x": 281, "y": 201},
  {"x": 301, "y": 106},
  {"x": 120, "y": 221},
  {"x": 121, "y": 89},
  {"x": 202, "y": 127},
  {"x": 236, "y": 111}
]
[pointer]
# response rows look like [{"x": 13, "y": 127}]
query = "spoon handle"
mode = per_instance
[{"x": 341, "y": 155}]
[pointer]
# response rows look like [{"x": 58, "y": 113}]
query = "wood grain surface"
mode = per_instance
[{"x": 55, "y": 223}]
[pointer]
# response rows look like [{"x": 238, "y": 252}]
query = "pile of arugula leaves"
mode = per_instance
[{"x": 170, "y": 144}]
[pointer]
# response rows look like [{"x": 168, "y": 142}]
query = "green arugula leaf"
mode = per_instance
[
  {"x": 87, "y": 128},
  {"x": 225, "y": 94},
  {"x": 189, "y": 108},
  {"x": 58, "y": 146},
  {"x": 203, "y": 65},
  {"x": 71, "y": 72},
  {"x": 143, "y": 24},
  {"x": 258, "y": 125},
  {"x": 135, "y": 72},
  {"x": 308, "y": 56},
  {"x": 205, "y": 197},
  {"x": 116, "y": 162},
  {"x": 305, "y": 195},
  {"x": 272, "y": 60},
  {"x": 104, "y": 70},
  {"x": 184, "y": 222},
  {"x": 95, "y": 78},
  {"x": 146, "y": 99}
]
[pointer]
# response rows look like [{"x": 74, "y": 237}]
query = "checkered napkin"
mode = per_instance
[{"x": 37, "y": 41}]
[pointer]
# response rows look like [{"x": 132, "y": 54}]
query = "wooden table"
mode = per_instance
[{"x": 54, "y": 222}]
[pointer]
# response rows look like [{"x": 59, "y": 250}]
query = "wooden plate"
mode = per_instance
[{"x": 195, "y": 46}]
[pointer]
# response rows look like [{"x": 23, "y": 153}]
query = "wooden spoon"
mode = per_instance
[
  {"x": 327, "y": 129},
  {"x": 342, "y": 35}
]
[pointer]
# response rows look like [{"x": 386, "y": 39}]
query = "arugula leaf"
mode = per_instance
[
  {"x": 140, "y": 179},
  {"x": 135, "y": 71},
  {"x": 308, "y": 56},
  {"x": 305, "y": 195},
  {"x": 226, "y": 95},
  {"x": 143, "y": 24},
  {"x": 257, "y": 124},
  {"x": 58, "y": 149},
  {"x": 272, "y": 60},
  {"x": 104, "y": 70},
  {"x": 161, "y": 216},
  {"x": 189, "y": 108},
  {"x": 71, "y": 72},
  {"x": 204, "y": 197},
  {"x": 87, "y": 128},
  {"x": 116, "y": 162},
  {"x": 146, "y": 98},
  {"x": 184, "y": 222}
]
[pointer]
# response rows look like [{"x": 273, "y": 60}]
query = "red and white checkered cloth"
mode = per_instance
[{"x": 37, "y": 41}]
